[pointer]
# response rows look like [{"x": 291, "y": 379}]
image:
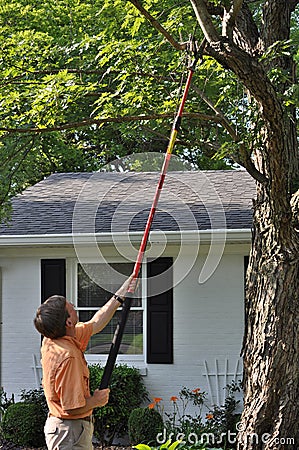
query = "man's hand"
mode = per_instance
[
  {"x": 105, "y": 314},
  {"x": 101, "y": 397},
  {"x": 129, "y": 284}
]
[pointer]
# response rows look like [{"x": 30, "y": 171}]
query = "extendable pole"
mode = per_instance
[{"x": 127, "y": 304}]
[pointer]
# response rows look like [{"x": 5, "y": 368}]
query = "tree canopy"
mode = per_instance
[{"x": 85, "y": 82}]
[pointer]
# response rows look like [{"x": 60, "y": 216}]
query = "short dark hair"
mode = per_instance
[{"x": 51, "y": 317}]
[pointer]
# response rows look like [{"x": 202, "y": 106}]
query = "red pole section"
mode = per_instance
[
  {"x": 174, "y": 132},
  {"x": 115, "y": 345}
]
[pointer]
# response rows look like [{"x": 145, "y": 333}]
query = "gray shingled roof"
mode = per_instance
[{"x": 114, "y": 202}]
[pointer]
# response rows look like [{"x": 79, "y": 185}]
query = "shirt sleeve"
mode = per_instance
[
  {"x": 83, "y": 334},
  {"x": 70, "y": 384}
]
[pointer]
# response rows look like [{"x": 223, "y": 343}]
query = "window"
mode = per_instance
[
  {"x": 91, "y": 295},
  {"x": 97, "y": 282}
]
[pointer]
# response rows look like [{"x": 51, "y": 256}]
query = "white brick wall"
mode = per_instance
[
  {"x": 20, "y": 296},
  {"x": 208, "y": 321}
]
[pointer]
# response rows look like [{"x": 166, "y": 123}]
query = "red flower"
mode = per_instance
[
  {"x": 151, "y": 405},
  {"x": 157, "y": 399},
  {"x": 209, "y": 416},
  {"x": 196, "y": 391},
  {"x": 173, "y": 398}
]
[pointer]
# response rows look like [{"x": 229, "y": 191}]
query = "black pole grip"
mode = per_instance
[{"x": 115, "y": 344}]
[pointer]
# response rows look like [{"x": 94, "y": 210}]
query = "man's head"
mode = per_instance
[{"x": 51, "y": 317}]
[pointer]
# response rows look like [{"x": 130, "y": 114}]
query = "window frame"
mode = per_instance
[{"x": 72, "y": 275}]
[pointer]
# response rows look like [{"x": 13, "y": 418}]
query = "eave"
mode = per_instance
[{"x": 124, "y": 238}]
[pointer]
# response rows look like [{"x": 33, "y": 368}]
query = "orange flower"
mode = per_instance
[
  {"x": 209, "y": 416},
  {"x": 196, "y": 391},
  {"x": 151, "y": 405},
  {"x": 173, "y": 398},
  {"x": 157, "y": 399}
]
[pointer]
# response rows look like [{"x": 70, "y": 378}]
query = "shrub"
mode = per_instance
[
  {"x": 127, "y": 391},
  {"x": 5, "y": 402},
  {"x": 224, "y": 419},
  {"x": 144, "y": 425},
  {"x": 22, "y": 424},
  {"x": 37, "y": 397}
]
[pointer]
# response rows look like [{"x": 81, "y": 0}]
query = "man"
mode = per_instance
[{"x": 65, "y": 373}]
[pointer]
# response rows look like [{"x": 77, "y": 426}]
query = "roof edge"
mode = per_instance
[{"x": 185, "y": 237}]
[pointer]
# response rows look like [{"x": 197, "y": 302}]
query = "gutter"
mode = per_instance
[{"x": 124, "y": 238}]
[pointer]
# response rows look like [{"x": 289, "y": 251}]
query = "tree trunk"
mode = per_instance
[{"x": 271, "y": 344}]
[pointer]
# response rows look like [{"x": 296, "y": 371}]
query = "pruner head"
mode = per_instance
[
  {"x": 192, "y": 45},
  {"x": 195, "y": 51}
]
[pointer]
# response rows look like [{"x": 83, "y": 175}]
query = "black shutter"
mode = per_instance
[
  {"x": 160, "y": 311},
  {"x": 52, "y": 278}
]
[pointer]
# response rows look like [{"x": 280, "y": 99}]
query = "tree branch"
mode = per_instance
[
  {"x": 157, "y": 25},
  {"x": 236, "y": 7},
  {"x": 229, "y": 18},
  {"x": 244, "y": 159},
  {"x": 120, "y": 119},
  {"x": 246, "y": 33},
  {"x": 232, "y": 57},
  {"x": 276, "y": 22},
  {"x": 159, "y": 77},
  {"x": 162, "y": 136},
  {"x": 205, "y": 20}
]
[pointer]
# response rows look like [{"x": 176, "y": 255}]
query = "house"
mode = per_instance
[{"x": 78, "y": 234}]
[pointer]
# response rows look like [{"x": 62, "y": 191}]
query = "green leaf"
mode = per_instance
[
  {"x": 174, "y": 445},
  {"x": 142, "y": 447}
]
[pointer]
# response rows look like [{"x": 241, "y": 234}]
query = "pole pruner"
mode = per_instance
[{"x": 194, "y": 53}]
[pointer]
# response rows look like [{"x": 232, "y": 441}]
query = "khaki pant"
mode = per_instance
[{"x": 64, "y": 434}]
